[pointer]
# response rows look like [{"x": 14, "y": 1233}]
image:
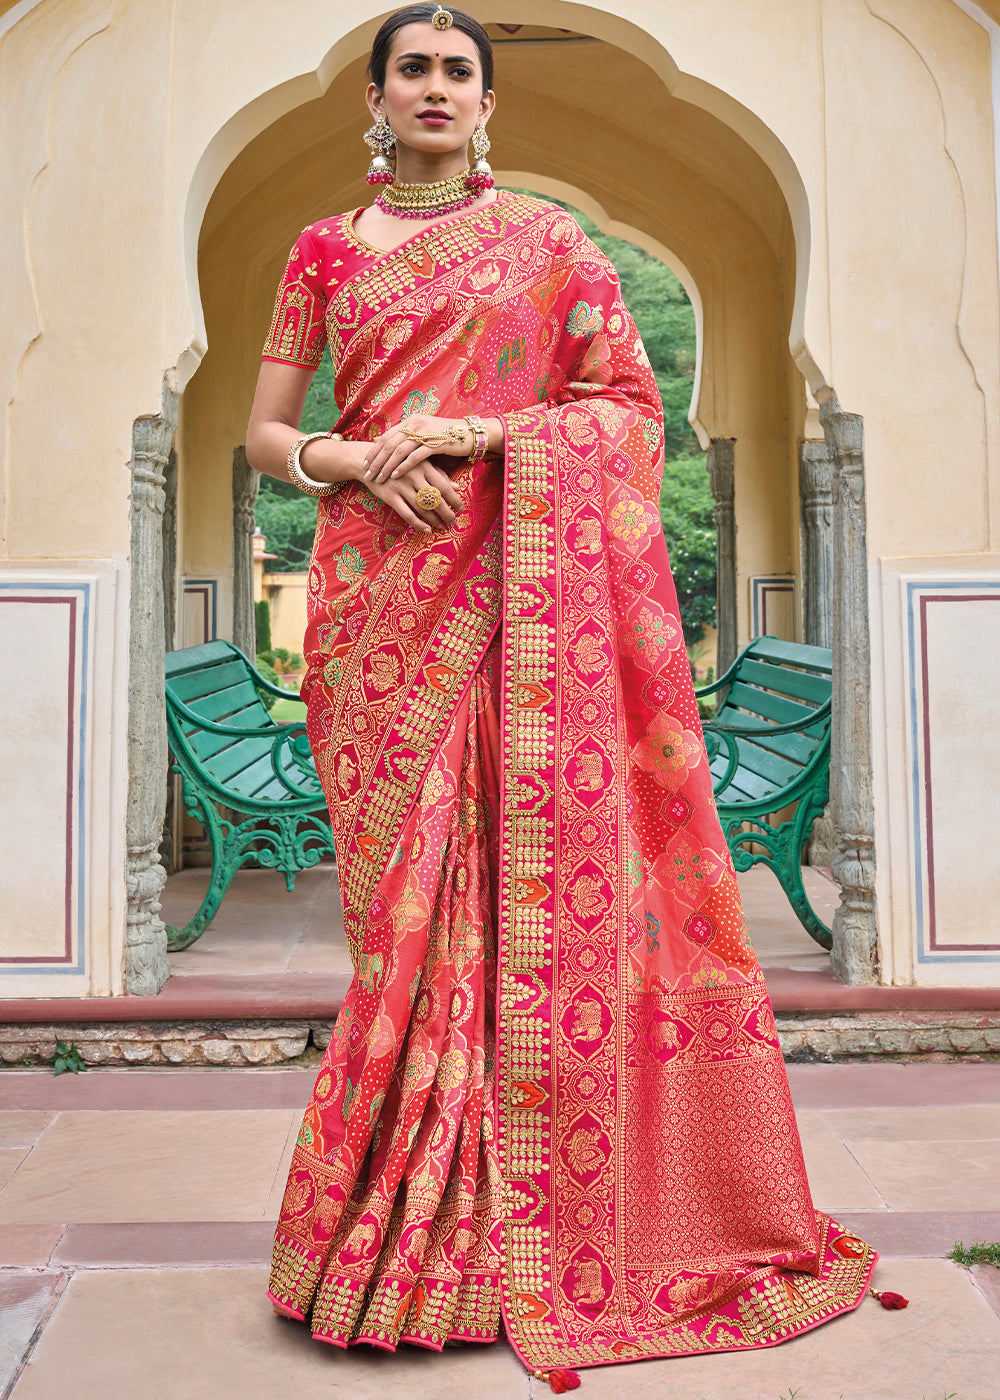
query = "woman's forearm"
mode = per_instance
[{"x": 324, "y": 459}]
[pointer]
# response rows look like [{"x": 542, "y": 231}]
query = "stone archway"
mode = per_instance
[{"x": 767, "y": 216}]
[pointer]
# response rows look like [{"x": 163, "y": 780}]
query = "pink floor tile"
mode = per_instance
[
  {"x": 921, "y": 1234},
  {"x": 878, "y": 1085},
  {"x": 157, "y": 1088},
  {"x": 170, "y": 1244},
  {"x": 28, "y": 1246}
]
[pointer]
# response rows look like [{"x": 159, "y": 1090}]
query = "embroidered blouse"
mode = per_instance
[{"x": 324, "y": 255}]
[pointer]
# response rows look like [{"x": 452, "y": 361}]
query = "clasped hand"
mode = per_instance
[
  {"x": 400, "y": 448},
  {"x": 396, "y": 468}
]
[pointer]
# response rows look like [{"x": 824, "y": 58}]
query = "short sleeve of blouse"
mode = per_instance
[{"x": 298, "y": 326}]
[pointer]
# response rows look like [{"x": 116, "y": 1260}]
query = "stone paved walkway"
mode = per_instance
[{"x": 137, "y": 1207}]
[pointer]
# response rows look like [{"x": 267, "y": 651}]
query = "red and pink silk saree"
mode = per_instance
[{"x": 554, "y": 1092}]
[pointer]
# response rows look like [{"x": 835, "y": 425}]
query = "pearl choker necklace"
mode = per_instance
[{"x": 427, "y": 201}]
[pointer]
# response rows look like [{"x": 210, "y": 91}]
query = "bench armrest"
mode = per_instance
[
  {"x": 262, "y": 683},
  {"x": 748, "y": 731},
  {"x": 726, "y": 679},
  {"x": 301, "y": 755}
]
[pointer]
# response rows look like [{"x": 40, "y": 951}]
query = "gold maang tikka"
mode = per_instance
[{"x": 442, "y": 18}]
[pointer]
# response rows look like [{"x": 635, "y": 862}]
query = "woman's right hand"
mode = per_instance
[{"x": 401, "y": 494}]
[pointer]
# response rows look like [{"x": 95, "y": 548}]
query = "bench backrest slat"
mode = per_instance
[
  {"x": 774, "y": 683},
  {"x": 228, "y": 765},
  {"x": 216, "y": 684},
  {"x": 808, "y": 658},
  {"x": 212, "y": 680},
  {"x": 748, "y": 700},
  {"x": 776, "y": 768},
  {"x": 799, "y": 748},
  {"x": 253, "y": 777},
  {"x": 744, "y": 785},
  {"x": 232, "y": 700},
  {"x": 799, "y": 685}
]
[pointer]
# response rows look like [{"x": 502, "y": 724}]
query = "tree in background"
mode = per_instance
[{"x": 665, "y": 319}]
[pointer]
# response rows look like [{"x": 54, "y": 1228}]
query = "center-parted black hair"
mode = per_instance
[{"x": 422, "y": 14}]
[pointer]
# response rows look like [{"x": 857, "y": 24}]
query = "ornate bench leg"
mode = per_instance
[
  {"x": 224, "y": 867},
  {"x": 788, "y": 866},
  {"x": 791, "y": 883},
  {"x": 784, "y": 846}
]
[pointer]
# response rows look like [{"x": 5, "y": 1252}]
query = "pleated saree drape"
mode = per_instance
[{"x": 555, "y": 1091}]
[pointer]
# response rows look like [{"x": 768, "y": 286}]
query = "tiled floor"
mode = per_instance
[
  {"x": 262, "y": 930},
  {"x": 137, "y": 1209},
  {"x": 136, "y": 1219}
]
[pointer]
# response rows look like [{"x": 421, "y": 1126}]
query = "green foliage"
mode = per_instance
[
  {"x": 686, "y": 510},
  {"x": 281, "y": 660},
  {"x": 977, "y": 1254},
  {"x": 284, "y": 514},
  {"x": 290, "y": 711},
  {"x": 67, "y": 1059},
  {"x": 270, "y": 674},
  {"x": 287, "y": 518},
  {"x": 262, "y": 616},
  {"x": 320, "y": 412},
  {"x": 708, "y": 704}
]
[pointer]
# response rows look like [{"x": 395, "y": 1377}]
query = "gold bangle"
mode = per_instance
[
  {"x": 299, "y": 478},
  {"x": 480, "y": 437}
]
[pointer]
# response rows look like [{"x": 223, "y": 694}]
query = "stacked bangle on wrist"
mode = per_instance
[
  {"x": 480, "y": 435},
  {"x": 299, "y": 478}
]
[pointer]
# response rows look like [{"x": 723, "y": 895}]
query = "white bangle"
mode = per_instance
[{"x": 299, "y": 478}]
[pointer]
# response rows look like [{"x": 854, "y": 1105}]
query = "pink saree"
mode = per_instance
[{"x": 554, "y": 1092}]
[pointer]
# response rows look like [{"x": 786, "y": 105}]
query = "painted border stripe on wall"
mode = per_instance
[{"x": 76, "y": 601}]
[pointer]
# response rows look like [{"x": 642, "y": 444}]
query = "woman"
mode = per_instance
[{"x": 554, "y": 1091}]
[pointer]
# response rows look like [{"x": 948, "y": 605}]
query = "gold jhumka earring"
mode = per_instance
[
  {"x": 480, "y": 177},
  {"x": 380, "y": 140}
]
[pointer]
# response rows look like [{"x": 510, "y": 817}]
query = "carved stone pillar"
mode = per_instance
[
  {"x": 246, "y": 484},
  {"x": 816, "y": 501},
  {"x": 854, "y": 957},
  {"x": 146, "y": 965},
  {"x": 721, "y": 473},
  {"x": 170, "y": 552},
  {"x": 167, "y": 853}
]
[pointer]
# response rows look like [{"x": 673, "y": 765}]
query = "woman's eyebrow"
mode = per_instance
[{"x": 425, "y": 58}]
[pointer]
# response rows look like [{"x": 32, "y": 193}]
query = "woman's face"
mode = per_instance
[{"x": 433, "y": 95}]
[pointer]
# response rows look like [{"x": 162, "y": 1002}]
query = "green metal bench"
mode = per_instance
[
  {"x": 769, "y": 754},
  {"x": 251, "y": 782}
]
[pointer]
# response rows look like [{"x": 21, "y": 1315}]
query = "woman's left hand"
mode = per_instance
[{"x": 395, "y": 453}]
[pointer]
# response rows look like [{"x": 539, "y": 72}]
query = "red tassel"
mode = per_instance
[
  {"x": 560, "y": 1379},
  {"x": 892, "y": 1301}
]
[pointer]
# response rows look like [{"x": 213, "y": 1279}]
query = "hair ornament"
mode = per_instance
[{"x": 442, "y": 18}]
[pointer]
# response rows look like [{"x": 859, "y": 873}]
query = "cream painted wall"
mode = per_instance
[
  {"x": 286, "y": 595},
  {"x": 823, "y": 170}
]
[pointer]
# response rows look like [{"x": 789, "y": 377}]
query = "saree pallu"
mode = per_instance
[{"x": 555, "y": 1091}]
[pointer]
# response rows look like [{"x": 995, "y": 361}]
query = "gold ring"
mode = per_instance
[{"x": 428, "y": 498}]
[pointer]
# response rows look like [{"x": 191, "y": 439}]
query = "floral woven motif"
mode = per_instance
[{"x": 555, "y": 1090}]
